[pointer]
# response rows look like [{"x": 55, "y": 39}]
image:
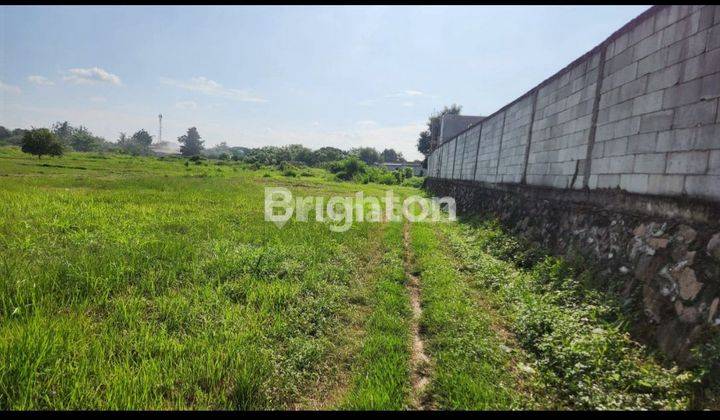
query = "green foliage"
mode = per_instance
[
  {"x": 79, "y": 138},
  {"x": 354, "y": 169},
  {"x": 191, "y": 143},
  {"x": 578, "y": 336},
  {"x": 433, "y": 123},
  {"x": 348, "y": 169},
  {"x": 415, "y": 182},
  {"x": 11, "y": 137},
  {"x": 63, "y": 130},
  {"x": 137, "y": 145},
  {"x": 390, "y": 155},
  {"x": 423, "y": 142},
  {"x": 41, "y": 142},
  {"x": 290, "y": 172},
  {"x": 83, "y": 141},
  {"x": 367, "y": 154},
  {"x": 328, "y": 154}
]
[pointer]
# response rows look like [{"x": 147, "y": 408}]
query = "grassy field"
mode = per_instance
[{"x": 147, "y": 283}]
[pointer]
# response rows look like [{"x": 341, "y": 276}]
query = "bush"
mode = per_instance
[
  {"x": 40, "y": 142},
  {"x": 415, "y": 182},
  {"x": 348, "y": 169}
]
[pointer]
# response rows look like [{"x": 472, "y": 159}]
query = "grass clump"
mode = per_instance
[{"x": 578, "y": 336}]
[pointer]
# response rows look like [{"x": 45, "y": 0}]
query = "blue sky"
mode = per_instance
[{"x": 252, "y": 76}]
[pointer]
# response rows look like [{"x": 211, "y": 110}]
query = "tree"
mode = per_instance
[
  {"x": 423, "y": 142},
  {"x": 348, "y": 168},
  {"x": 4, "y": 133},
  {"x": 14, "y": 137},
  {"x": 389, "y": 155},
  {"x": 367, "y": 154},
  {"x": 123, "y": 141},
  {"x": 63, "y": 131},
  {"x": 328, "y": 154},
  {"x": 142, "y": 139},
  {"x": 138, "y": 144},
  {"x": 41, "y": 142},
  {"x": 83, "y": 141},
  {"x": 299, "y": 153},
  {"x": 191, "y": 143}
]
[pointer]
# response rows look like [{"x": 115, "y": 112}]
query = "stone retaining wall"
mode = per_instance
[{"x": 662, "y": 255}]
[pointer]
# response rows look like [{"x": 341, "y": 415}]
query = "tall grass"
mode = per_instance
[
  {"x": 577, "y": 335},
  {"x": 144, "y": 283}
]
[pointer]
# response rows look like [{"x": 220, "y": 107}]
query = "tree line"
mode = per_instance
[{"x": 62, "y": 137}]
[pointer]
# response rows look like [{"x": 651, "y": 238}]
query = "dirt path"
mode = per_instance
[{"x": 419, "y": 361}]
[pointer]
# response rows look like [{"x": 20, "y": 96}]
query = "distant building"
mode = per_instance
[
  {"x": 448, "y": 126},
  {"x": 416, "y": 166}
]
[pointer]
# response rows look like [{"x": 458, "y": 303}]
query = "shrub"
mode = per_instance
[
  {"x": 349, "y": 168},
  {"x": 41, "y": 142},
  {"x": 413, "y": 182}
]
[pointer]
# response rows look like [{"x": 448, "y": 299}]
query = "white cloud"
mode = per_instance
[
  {"x": 4, "y": 87},
  {"x": 186, "y": 105},
  {"x": 40, "y": 80},
  {"x": 366, "y": 123},
  {"x": 98, "y": 99},
  {"x": 406, "y": 94},
  {"x": 212, "y": 88},
  {"x": 92, "y": 75}
]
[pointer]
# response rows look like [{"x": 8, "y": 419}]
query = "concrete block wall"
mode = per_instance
[
  {"x": 561, "y": 129},
  {"x": 516, "y": 133},
  {"x": 448, "y": 156},
  {"x": 469, "y": 157},
  {"x": 441, "y": 161},
  {"x": 487, "y": 158},
  {"x": 657, "y": 126},
  {"x": 433, "y": 165},
  {"x": 639, "y": 112},
  {"x": 438, "y": 161},
  {"x": 459, "y": 150}
]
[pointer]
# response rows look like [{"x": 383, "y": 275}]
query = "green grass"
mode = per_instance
[
  {"x": 381, "y": 379},
  {"x": 145, "y": 283},
  {"x": 577, "y": 335},
  {"x": 471, "y": 371}
]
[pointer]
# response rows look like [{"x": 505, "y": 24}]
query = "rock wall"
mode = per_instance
[{"x": 662, "y": 253}]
